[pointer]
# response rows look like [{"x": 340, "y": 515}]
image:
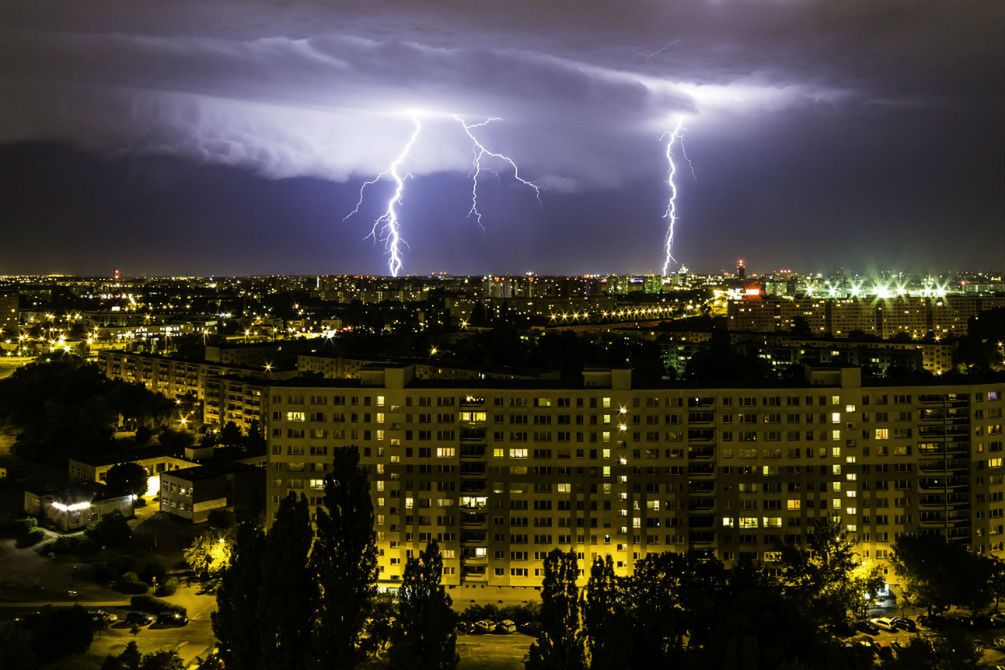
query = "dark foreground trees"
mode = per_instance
[
  {"x": 283, "y": 605},
  {"x": 939, "y": 574},
  {"x": 688, "y": 611},
  {"x": 344, "y": 563},
  {"x": 559, "y": 645},
  {"x": 424, "y": 635}
]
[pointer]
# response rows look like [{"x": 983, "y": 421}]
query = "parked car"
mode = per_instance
[
  {"x": 867, "y": 627},
  {"x": 464, "y": 627},
  {"x": 172, "y": 619},
  {"x": 505, "y": 627},
  {"x": 531, "y": 628},
  {"x": 998, "y": 619},
  {"x": 102, "y": 617},
  {"x": 139, "y": 618},
  {"x": 999, "y": 643},
  {"x": 905, "y": 623},
  {"x": 884, "y": 623},
  {"x": 484, "y": 626},
  {"x": 933, "y": 621}
]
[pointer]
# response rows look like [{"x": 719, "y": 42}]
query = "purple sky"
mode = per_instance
[{"x": 233, "y": 137}]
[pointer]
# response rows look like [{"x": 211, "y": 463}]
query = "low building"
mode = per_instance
[
  {"x": 193, "y": 493},
  {"x": 74, "y": 509},
  {"x": 156, "y": 460}
]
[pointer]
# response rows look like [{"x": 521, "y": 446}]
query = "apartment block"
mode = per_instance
[
  {"x": 227, "y": 392},
  {"x": 501, "y": 473}
]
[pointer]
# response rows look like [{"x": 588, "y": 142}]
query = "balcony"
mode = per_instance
[
  {"x": 474, "y": 519},
  {"x": 701, "y": 417},
  {"x": 473, "y": 451},
  {"x": 474, "y": 536}
]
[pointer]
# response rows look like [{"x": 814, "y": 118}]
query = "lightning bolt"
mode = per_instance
[
  {"x": 671, "y": 211},
  {"x": 653, "y": 54},
  {"x": 387, "y": 222},
  {"x": 480, "y": 153}
]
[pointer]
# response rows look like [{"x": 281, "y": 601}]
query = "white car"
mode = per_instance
[{"x": 884, "y": 623}]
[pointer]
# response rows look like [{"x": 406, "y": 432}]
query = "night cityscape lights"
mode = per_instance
[{"x": 558, "y": 406}]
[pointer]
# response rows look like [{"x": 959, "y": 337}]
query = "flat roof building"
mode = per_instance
[
  {"x": 502, "y": 472},
  {"x": 192, "y": 493}
]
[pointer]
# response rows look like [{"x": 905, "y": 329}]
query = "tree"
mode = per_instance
[
  {"x": 559, "y": 644},
  {"x": 674, "y": 604},
  {"x": 231, "y": 435},
  {"x": 166, "y": 659},
  {"x": 132, "y": 659},
  {"x": 112, "y": 530},
  {"x": 344, "y": 562},
  {"x": 956, "y": 649},
  {"x": 937, "y": 574},
  {"x": 15, "y": 648},
  {"x": 62, "y": 631},
  {"x": 997, "y": 582},
  {"x": 235, "y": 622},
  {"x": 605, "y": 618},
  {"x": 126, "y": 478},
  {"x": 210, "y": 554},
  {"x": 424, "y": 635},
  {"x": 821, "y": 575},
  {"x": 287, "y": 593}
]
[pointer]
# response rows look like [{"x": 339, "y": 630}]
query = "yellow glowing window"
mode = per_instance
[
  {"x": 749, "y": 522},
  {"x": 794, "y": 504}
]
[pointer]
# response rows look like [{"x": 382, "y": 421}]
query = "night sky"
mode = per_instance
[{"x": 232, "y": 138}]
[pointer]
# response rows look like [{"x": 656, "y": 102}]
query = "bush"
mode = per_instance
[
  {"x": 478, "y": 612},
  {"x": 130, "y": 583},
  {"x": 155, "y": 605},
  {"x": 16, "y": 528},
  {"x": 168, "y": 587},
  {"x": 73, "y": 545},
  {"x": 153, "y": 572},
  {"x": 112, "y": 530},
  {"x": 104, "y": 573},
  {"x": 124, "y": 563},
  {"x": 31, "y": 538}
]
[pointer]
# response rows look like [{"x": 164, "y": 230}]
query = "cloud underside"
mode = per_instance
[{"x": 581, "y": 89}]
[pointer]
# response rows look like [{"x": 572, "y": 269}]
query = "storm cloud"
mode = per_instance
[{"x": 804, "y": 119}]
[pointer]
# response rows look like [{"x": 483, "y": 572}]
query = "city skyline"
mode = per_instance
[{"x": 864, "y": 136}]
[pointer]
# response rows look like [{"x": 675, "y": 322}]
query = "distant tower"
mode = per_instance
[
  {"x": 116, "y": 274},
  {"x": 741, "y": 268}
]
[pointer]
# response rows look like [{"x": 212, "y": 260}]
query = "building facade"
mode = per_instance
[{"x": 500, "y": 474}]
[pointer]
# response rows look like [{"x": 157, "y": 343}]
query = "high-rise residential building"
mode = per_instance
[{"x": 502, "y": 472}]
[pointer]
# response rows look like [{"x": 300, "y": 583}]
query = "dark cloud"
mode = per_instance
[{"x": 873, "y": 125}]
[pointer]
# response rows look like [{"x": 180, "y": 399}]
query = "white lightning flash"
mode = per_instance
[
  {"x": 653, "y": 54},
  {"x": 671, "y": 211},
  {"x": 387, "y": 222},
  {"x": 480, "y": 153}
]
